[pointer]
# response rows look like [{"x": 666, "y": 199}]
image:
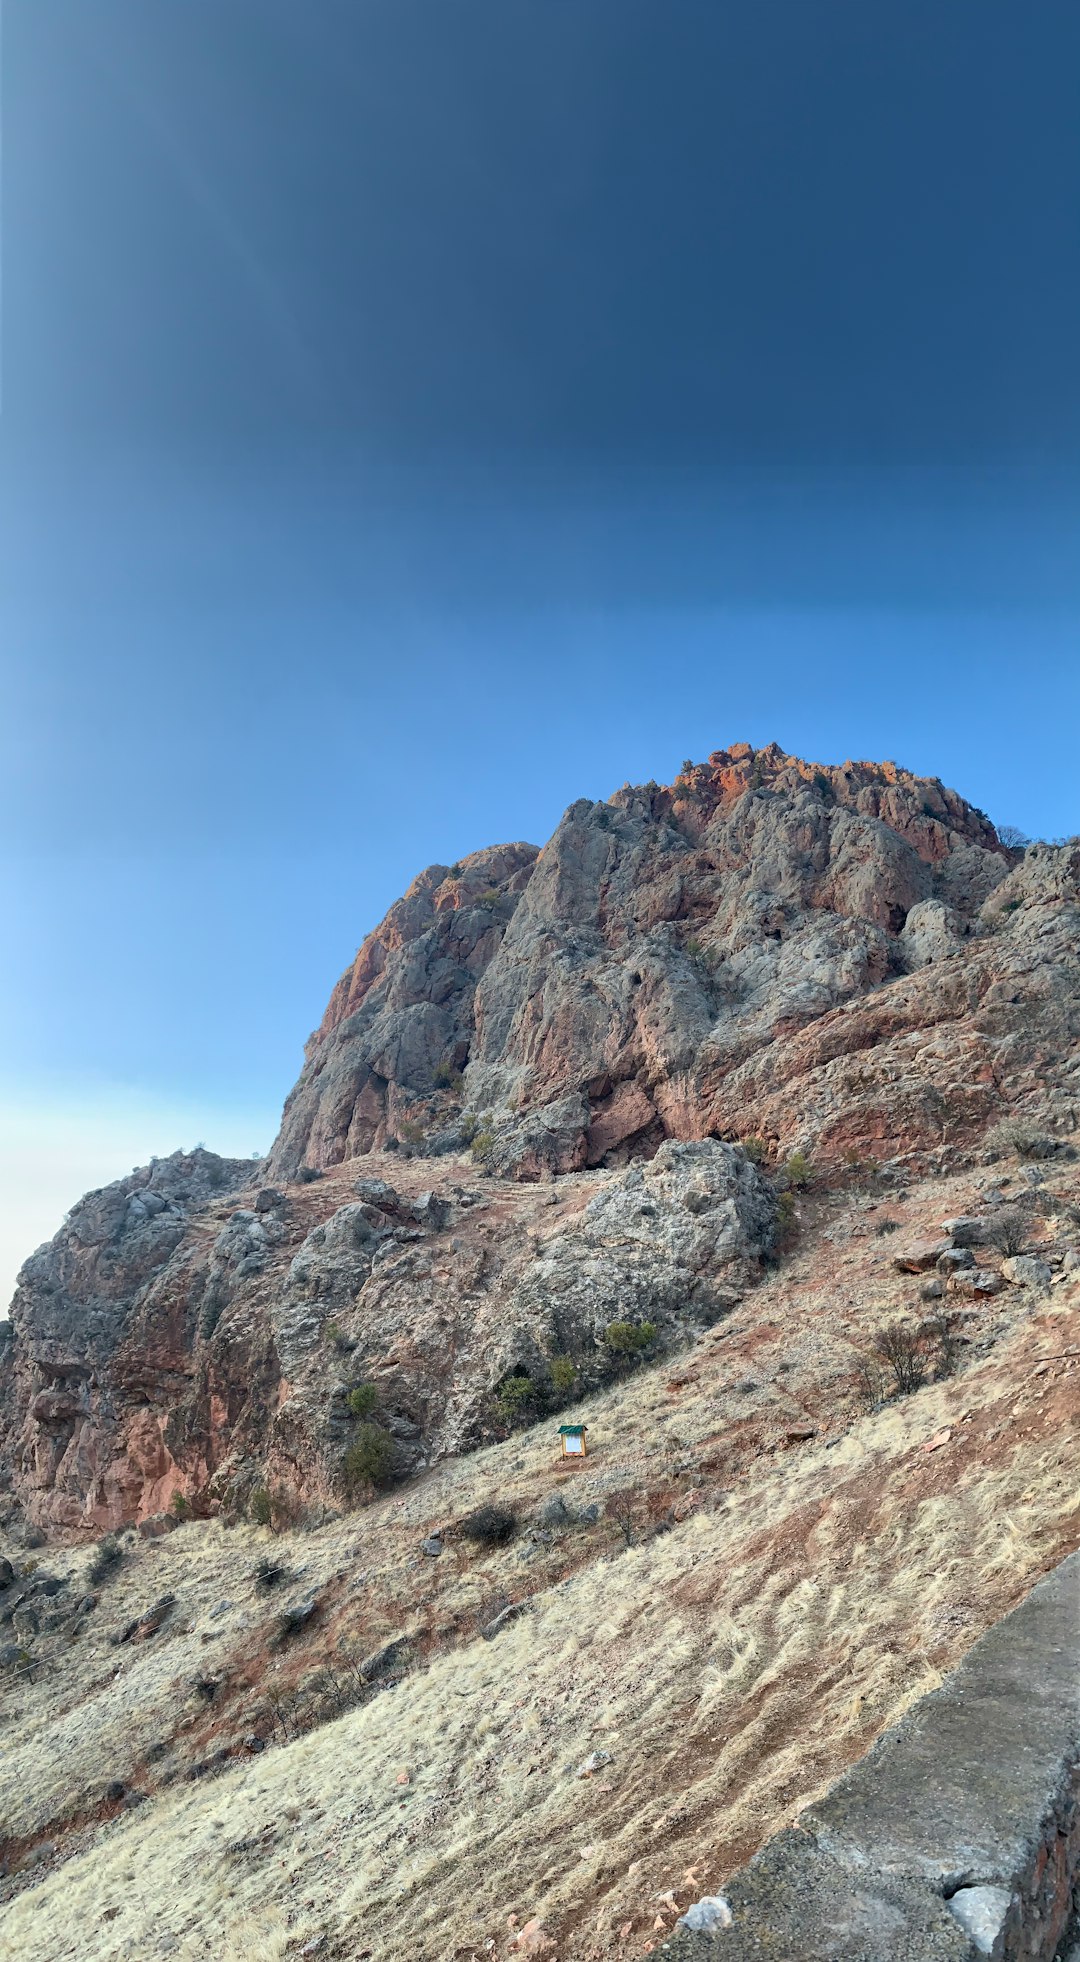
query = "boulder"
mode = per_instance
[
  {"x": 1026, "y": 1271},
  {"x": 918, "y": 1256}
]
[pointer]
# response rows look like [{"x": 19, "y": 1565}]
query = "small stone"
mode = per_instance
[
  {"x": 432, "y": 1546},
  {"x": 404, "y": 1778},
  {"x": 556, "y": 1512},
  {"x": 955, "y": 1259},
  {"x": 593, "y": 1763},
  {"x": 707, "y": 1915},
  {"x": 932, "y": 1290},
  {"x": 981, "y": 1912},
  {"x": 966, "y": 1232}
]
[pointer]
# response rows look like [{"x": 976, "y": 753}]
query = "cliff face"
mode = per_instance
[
  {"x": 656, "y": 970},
  {"x": 843, "y": 960}
]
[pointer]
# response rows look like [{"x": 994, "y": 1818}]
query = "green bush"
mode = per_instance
[
  {"x": 797, "y": 1170},
  {"x": 489, "y": 899},
  {"x": 447, "y": 1077},
  {"x": 363, "y": 1399},
  {"x": 261, "y": 1506},
  {"x": 482, "y": 1145},
  {"x": 516, "y": 1397},
  {"x": 108, "y": 1555},
  {"x": 755, "y": 1149},
  {"x": 786, "y": 1214},
  {"x": 470, "y": 1124},
  {"x": 181, "y": 1506},
  {"x": 369, "y": 1457},
  {"x": 629, "y": 1339},
  {"x": 409, "y": 1132},
  {"x": 563, "y": 1375}
]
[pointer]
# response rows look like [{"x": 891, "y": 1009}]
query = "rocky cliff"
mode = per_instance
[{"x": 520, "y": 1121}]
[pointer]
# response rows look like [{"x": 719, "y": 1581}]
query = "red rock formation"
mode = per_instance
[{"x": 840, "y": 959}]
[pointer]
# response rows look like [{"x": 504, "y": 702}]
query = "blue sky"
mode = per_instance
[{"x": 418, "y": 415}]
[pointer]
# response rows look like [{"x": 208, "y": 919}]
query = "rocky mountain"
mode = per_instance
[{"x": 522, "y": 1123}]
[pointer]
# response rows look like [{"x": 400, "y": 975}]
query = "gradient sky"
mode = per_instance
[{"x": 419, "y": 413}]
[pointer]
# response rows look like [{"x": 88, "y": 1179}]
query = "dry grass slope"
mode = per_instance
[{"x": 729, "y": 1667}]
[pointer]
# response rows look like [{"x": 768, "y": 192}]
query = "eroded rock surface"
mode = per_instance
[{"x": 517, "y": 1120}]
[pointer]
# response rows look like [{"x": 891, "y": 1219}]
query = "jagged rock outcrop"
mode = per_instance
[
  {"x": 514, "y": 1126},
  {"x": 650, "y": 972},
  {"x": 227, "y": 1362}
]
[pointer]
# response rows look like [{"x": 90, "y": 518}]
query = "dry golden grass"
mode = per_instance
[{"x": 730, "y": 1666}]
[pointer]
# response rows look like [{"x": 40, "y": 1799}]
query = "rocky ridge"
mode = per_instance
[{"x": 521, "y": 1120}]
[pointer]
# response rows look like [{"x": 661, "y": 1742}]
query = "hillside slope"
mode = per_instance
[
  {"x": 534, "y": 1079},
  {"x": 748, "y": 1578}
]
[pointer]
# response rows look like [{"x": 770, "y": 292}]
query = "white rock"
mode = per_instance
[
  {"x": 981, "y": 1912},
  {"x": 706, "y": 1915}
]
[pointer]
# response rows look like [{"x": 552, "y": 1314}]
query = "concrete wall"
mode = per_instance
[{"x": 955, "y": 1839}]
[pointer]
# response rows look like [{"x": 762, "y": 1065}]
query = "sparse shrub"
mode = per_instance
[
  {"x": 903, "y": 1354},
  {"x": 886, "y": 1226},
  {"x": 180, "y": 1506},
  {"x": 261, "y": 1506},
  {"x": 1009, "y": 1232},
  {"x": 490, "y": 1525},
  {"x": 337, "y": 1338},
  {"x": 1014, "y": 1134},
  {"x": 409, "y": 1132},
  {"x": 447, "y": 1076},
  {"x": 1013, "y": 839},
  {"x": 755, "y": 1149},
  {"x": 563, "y": 1375},
  {"x": 797, "y": 1170},
  {"x": 369, "y": 1457},
  {"x": 107, "y": 1558},
  {"x": 900, "y": 1349},
  {"x": 687, "y": 767},
  {"x": 940, "y": 1333},
  {"x": 620, "y": 1508},
  {"x": 268, "y": 1571},
  {"x": 694, "y": 947},
  {"x": 629, "y": 1340},
  {"x": 363, "y": 1399},
  {"x": 823, "y": 786},
  {"x": 453, "y": 875},
  {"x": 307, "y": 1174},
  {"x": 482, "y": 1145},
  {"x": 489, "y": 898},
  {"x": 470, "y": 1124}
]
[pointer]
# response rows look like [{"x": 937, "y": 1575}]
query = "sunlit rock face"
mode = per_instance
[{"x": 520, "y": 1121}]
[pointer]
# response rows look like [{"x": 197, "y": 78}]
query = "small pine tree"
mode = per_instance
[
  {"x": 563, "y": 1375},
  {"x": 797, "y": 1170},
  {"x": 261, "y": 1506},
  {"x": 369, "y": 1457}
]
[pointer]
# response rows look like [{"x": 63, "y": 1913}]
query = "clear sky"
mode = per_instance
[{"x": 420, "y": 413}]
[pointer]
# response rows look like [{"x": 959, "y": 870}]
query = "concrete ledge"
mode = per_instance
[{"x": 957, "y": 1836}]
